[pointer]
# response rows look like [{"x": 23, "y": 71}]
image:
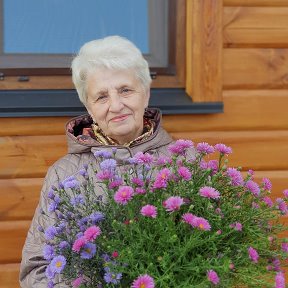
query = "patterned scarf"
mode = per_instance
[{"x": 106, "y": 140}]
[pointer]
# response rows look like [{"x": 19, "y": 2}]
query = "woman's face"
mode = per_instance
[{"x": 116, "y": 100}]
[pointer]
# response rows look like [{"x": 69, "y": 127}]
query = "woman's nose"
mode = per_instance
[{"x": 116, "y": 104}]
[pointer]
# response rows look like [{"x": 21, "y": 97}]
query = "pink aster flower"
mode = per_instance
[
  {"x": 213, "y": 165},
  {"x": 78, "y": 244},
  {"x": 139, "y": 190},
  {"x": 255, "y": 205},
  {"x": 253, "y": 187},
  {"x": 105, "y": 174},
  {"x": 237, "y": 226},
  {"x": 162, "y": 178},
  {"x": 267, "y": 200},
  {"x": 253, "y": 254},
  {"x": 209, "y": 192},
  {"x": 280, "y": 280},
  {"x": 149, "y": 211},
  {"x": 115, "y": 183},
  {"x": 92, "y": 233},
  {"x": 138, "y": 181},
  {"x": 235, "y": 176},
  {"x": 180, "y": 146},
  {"x": 267, "y": 185},
  {"x": 201, "y": 223},
  {"x": 282, "y": 206},
  {"x": 188, "y": 218},
  {"x": 124, "y": 195},
  {"x": 213, "y": 277},
  {"x": 173, "y": 203},
  {"x": 143, "y": 281},
  {"x": 205, "y": 148},
  {"x": 284, "y": 246},
  {"x": 223, "y": 149},
  {"x": 285, "y": 193},
  {"x": 184, "y": 173},
  {"x": 143, "y": 158},
  {"x": 77, "y": 282}
]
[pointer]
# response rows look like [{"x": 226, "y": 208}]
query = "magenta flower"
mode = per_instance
[
  {"x": 196, "y": 222},
  {"x": 237, "y": 226},
  {"x": 115, "y": 183},
  {"x": 78, "y": 244},
  {"x": 92, "y": 233},
  {"x": 284, "y": 246},
  {"x": 223, "y": 149},
  {"x": 282, "y": 206},
  {"x": 143, "y": 158},
  {"x": 253, "y": 254},
  {"x": 137, "y": 181},
  {"x": 184, "y": 173},
  {"x": 235, "y": 176},
  {"x": 173, "y": 203},
  {"x": 123, "y": 195},
  {"x": 188, "y": 218},
  {"x": 285, "y": 193},
  {"x": 180, "y": 146},
  {"x": 149, "y": 211},
  {"x": 267, "y": 200},
  {"x": 205, "y": 148},
  {"x": 139, "y": 190},
  {"x": 209, "y": 192},
  {"x": 267, "y": 185},
  {"x": 162, "y": 178},
  {"x": 77, "y": 282},
  {"x": 253, "y": 187},
  {"x": 143, "y": 281},
  {"x": 280, "y": 280},
  {"x": 213, "y": 165},
  {"x": 105, "y": 175},
  {"x": 213, "y": 277}
]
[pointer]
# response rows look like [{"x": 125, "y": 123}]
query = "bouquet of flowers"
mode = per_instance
[{"x": 165, "y": 222}]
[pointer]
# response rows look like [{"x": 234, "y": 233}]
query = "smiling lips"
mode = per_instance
[{"x": 120, "y": 118}]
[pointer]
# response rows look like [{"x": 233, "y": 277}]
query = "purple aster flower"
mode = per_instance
[
  {"x": 209, "y": 192},
  {"x": 253, "y": 254},
  {"x": 58, "y": 264},
  {"x": 48, "y": 252},
  {"x": 280, "y": 280},
  {"x": 267, "y": 185},
  {"x": 88, "y": 251},
  {"x": 184, "y": 173},
  {"x": 282, "y": 206},
  {"x": 83, "y": 172},
  {"x": 163, "y": 160},
  {"x": 138, "y": 181},
  {"x": 106, "y": 257},
  {"x": 52, "y": 207},
  {"x": 223, "y": 149},
  {"x": 71, "y": 183},
  {"x": 50, "y": 284},
  {"x": 108, "y": 164},
  {"x": 115, "y": 183},
  {"x": 63, "y": 245},
  {"x": 180, "y": 146},
  {"x": 213, "y": 165},
  {"x": 96, "y": 217},
  {"x": 253, "y": 187},
  {"x": 143, "y": 158},
  {"x": 284, "y": 246},
  {"x": 49, "y": 273},
  {"x": 213, "y": 277},
  {"x": 50, "y": 233},
  {"x": 103, "y": 154},
  {"x": 267, "y": 200},
  {"x": 77, "y": 200},
  {"x": 235, "y": 176},
  {"x": 113, "y": 278},
  {"x": 285, "y": 193},
  {"x": 276, "y": 264},
  {"x": 51, "y": 193},
  {"x": 205, "y": 148}
]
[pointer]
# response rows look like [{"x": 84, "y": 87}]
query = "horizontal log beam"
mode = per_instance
[{"x": 9, "y": 275}]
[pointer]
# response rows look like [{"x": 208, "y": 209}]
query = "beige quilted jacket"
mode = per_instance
[{"x": 33, "y": 265}]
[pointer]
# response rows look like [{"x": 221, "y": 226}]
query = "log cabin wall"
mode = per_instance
[{"x": 254, "y": 122}]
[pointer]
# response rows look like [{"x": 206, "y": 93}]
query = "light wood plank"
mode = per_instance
[
  {"x": 255, "y": 27},
  {"x": 19, "y": 198},
  {"x": 9, "y": 275},
  {"x": 258, "y": 150},
  {"x": 256, "y": 3},
  {"x": 13, "y": 235},
  {"x": 30, "y": 156},
  {"x": 204, "y": 50},
  {"x": 255, "y": 68}
]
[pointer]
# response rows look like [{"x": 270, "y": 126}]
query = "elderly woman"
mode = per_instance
[{"x": 113, "y": 82}]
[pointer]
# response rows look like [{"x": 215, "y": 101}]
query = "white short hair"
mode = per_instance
[{"x": 112, "y": 52}]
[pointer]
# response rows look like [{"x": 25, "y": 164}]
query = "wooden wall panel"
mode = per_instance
[
  {"x": 255, "y": 68},
  {"x": 13, "y": 235},
  {"x": 256, "y": 3},
  {"x": 19, "y": 198},
  {"x": 255, "y": 27},
  {"x": 9, "y": 275}
]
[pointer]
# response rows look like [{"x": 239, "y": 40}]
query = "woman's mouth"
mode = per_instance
[{"x": 120, "y": 118}]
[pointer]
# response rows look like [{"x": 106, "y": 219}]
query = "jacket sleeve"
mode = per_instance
[{"x": 33, "y": 265}]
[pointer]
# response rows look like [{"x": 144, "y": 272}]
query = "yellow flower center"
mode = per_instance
[
  {"x": 201, "y": 226},
  {"x": 58, "y": 264},
  {"x": 124, "y": 193},
  {"x": 88, "y": 250},
  {"x": 163, "y": 176},
  {"x": 142, "y": 285}
]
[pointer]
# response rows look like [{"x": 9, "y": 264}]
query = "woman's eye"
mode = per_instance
[
  {"x": 102, "y": 97},
  {"x": 125, "y": 90}
]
